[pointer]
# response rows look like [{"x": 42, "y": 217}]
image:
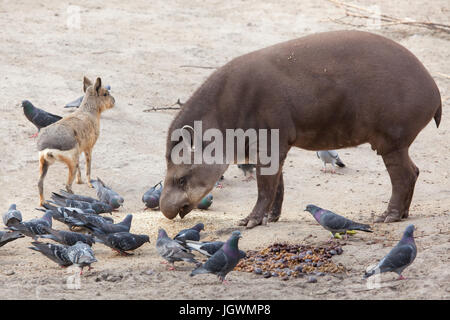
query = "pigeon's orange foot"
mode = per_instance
[{"x": 34, "y": 135}]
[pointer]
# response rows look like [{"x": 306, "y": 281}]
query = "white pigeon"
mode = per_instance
[{"x": 329, "y": 156}]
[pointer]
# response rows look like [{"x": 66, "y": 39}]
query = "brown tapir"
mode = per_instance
[{"x": 324, "y": 91}]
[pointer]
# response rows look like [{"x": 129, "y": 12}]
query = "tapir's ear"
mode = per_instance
[
  {"x": 98, "y": 85},
  {"x": 86, "y": 83},
  {"x": 188, "y": 136}
]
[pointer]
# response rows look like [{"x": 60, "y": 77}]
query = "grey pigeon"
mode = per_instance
[
  {"x": 34, "y": 227},
  {"x": 77, "y": 102},
  {"x": 122, "y": 241},
  {"x": 81, "y": 255},
  {"x": 6, "y": 237},
  {"x": 55, "y": 252},
  {"x": 151, "y": 196},
  {"x": 335, "y": 223},
  {"x": 67, "y": 238},
  {"x": 224, "y": 260},
  {"x": 329, "y": 156},
  {"x": 400, "y": 257},
  {"x": 98, "y": 206},
  {"x": 208, "y": 248},
  {"x": 97, "y": 225},
  {"x": 38, "y": 117},
  {"x": 106, "y": 194},
  {"x": 247, "y": 168},
  {"x": 172, "y": 250},
  {"x": 12, "y": 216},
  {"x": 191, "y": 233}
]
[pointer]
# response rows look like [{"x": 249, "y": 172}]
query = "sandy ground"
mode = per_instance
[{"x": 139, "y": 49}]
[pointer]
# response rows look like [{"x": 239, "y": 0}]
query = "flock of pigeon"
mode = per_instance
[{"x": 84, "y": 213}]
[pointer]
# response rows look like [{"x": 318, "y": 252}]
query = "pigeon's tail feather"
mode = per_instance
[
  {"x": 198, "y": 270},
  {"x": 361, "y": 227},
  {"x": 48, "y": 236},
  {"x": 437, "y": 115},
  {"x": 340, "y": 163},
  {"x": 48, "y": 206},
  {"x": 368, "y": 274}
]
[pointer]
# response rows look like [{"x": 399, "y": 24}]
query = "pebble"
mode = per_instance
[
  {"x": 267, "y": 274},
  {"x": 311, "y": 279},
  {"x": 149, "y": 272},
  {"x": 333, "y": 252},
  {"x": 9, "y": 273},
  {"x": 257, "y": 271}
]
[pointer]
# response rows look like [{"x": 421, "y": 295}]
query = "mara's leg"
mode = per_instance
[
  {"x": 79, "y": 181},
  {"x": 72, "y": 164},
  {"x": 403, "y": 173},
  {"x": 275, "y": 213},
  {"x": 43, "y": 168},
  {"x": 88, "y": 155}
]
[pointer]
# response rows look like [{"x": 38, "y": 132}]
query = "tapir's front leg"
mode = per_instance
[{"x": 267, "y": 191}]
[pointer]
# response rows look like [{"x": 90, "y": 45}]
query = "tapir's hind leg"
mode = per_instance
[
  {"x": 403, "y": 173},
  {"x": 275, "y": 213}
]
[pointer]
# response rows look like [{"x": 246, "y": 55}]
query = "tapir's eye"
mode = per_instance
[{"x": 106, "y": 93}]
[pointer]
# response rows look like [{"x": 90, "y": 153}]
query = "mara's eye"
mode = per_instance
[
  {"x": 106, "y": 93},
  {"x": 182, "y": 181}
]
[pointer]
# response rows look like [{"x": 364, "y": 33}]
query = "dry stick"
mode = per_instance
[
  {"x": 166, "y": 108},
  {"x": 194, "y": 66},
  {"x": 384, "y": 17}
]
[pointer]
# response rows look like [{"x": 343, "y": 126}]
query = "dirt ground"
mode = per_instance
[{"x": 142, "y": 49}]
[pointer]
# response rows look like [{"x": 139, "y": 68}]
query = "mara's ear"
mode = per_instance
[
  {"x": 86, "y": 83},
  {"x": 98, "y": 85}
]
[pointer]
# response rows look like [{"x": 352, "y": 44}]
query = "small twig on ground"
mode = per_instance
[
  {"x": 352, "y": 10},
  {"x": 179, "y": 103},
  {"x": 443, "y": 75},
  {"x": 200, "y": 67}
]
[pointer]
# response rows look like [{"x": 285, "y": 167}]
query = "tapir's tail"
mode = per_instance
[{"x": 437, "y": 115}]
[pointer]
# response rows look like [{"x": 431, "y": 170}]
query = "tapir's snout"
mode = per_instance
[{"x": 172, "y": 204}]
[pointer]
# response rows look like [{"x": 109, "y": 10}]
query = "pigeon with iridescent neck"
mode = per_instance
[
  {"x": 335, "y": 223},
  {"x": 55, "y": 252},
  {"x": 400, "y": 257},
  {"x": 224, "y": 260}
]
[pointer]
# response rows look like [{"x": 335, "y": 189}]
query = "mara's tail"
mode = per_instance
[{"x": 437, "y": 115}]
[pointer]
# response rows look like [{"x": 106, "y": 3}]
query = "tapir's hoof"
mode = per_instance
[
  {"x": 243, "y": 222},
  {"x": 273, "y": 218},
  {"x": 253, "y": 223},
  {"x": 389, "y": 216}
]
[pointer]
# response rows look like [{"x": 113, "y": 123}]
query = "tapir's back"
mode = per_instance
[{"x": 351, "y": 82}]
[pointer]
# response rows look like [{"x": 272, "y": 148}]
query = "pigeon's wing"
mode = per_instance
[
  {"x": 123, "y": 241},
  {"x": 399, "y": 257},
  {"x": 43, "y": 118},
  {"x": 333, "y": 154},
  {"x": 77, "y": 197},
  {"x": 333, "y": 221},
  {"x": 217, "y": 262},
  {"x": 206, "y": 248},
  {"x": 171, "y": 249},
  {"x": 55, "y": 252}
]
